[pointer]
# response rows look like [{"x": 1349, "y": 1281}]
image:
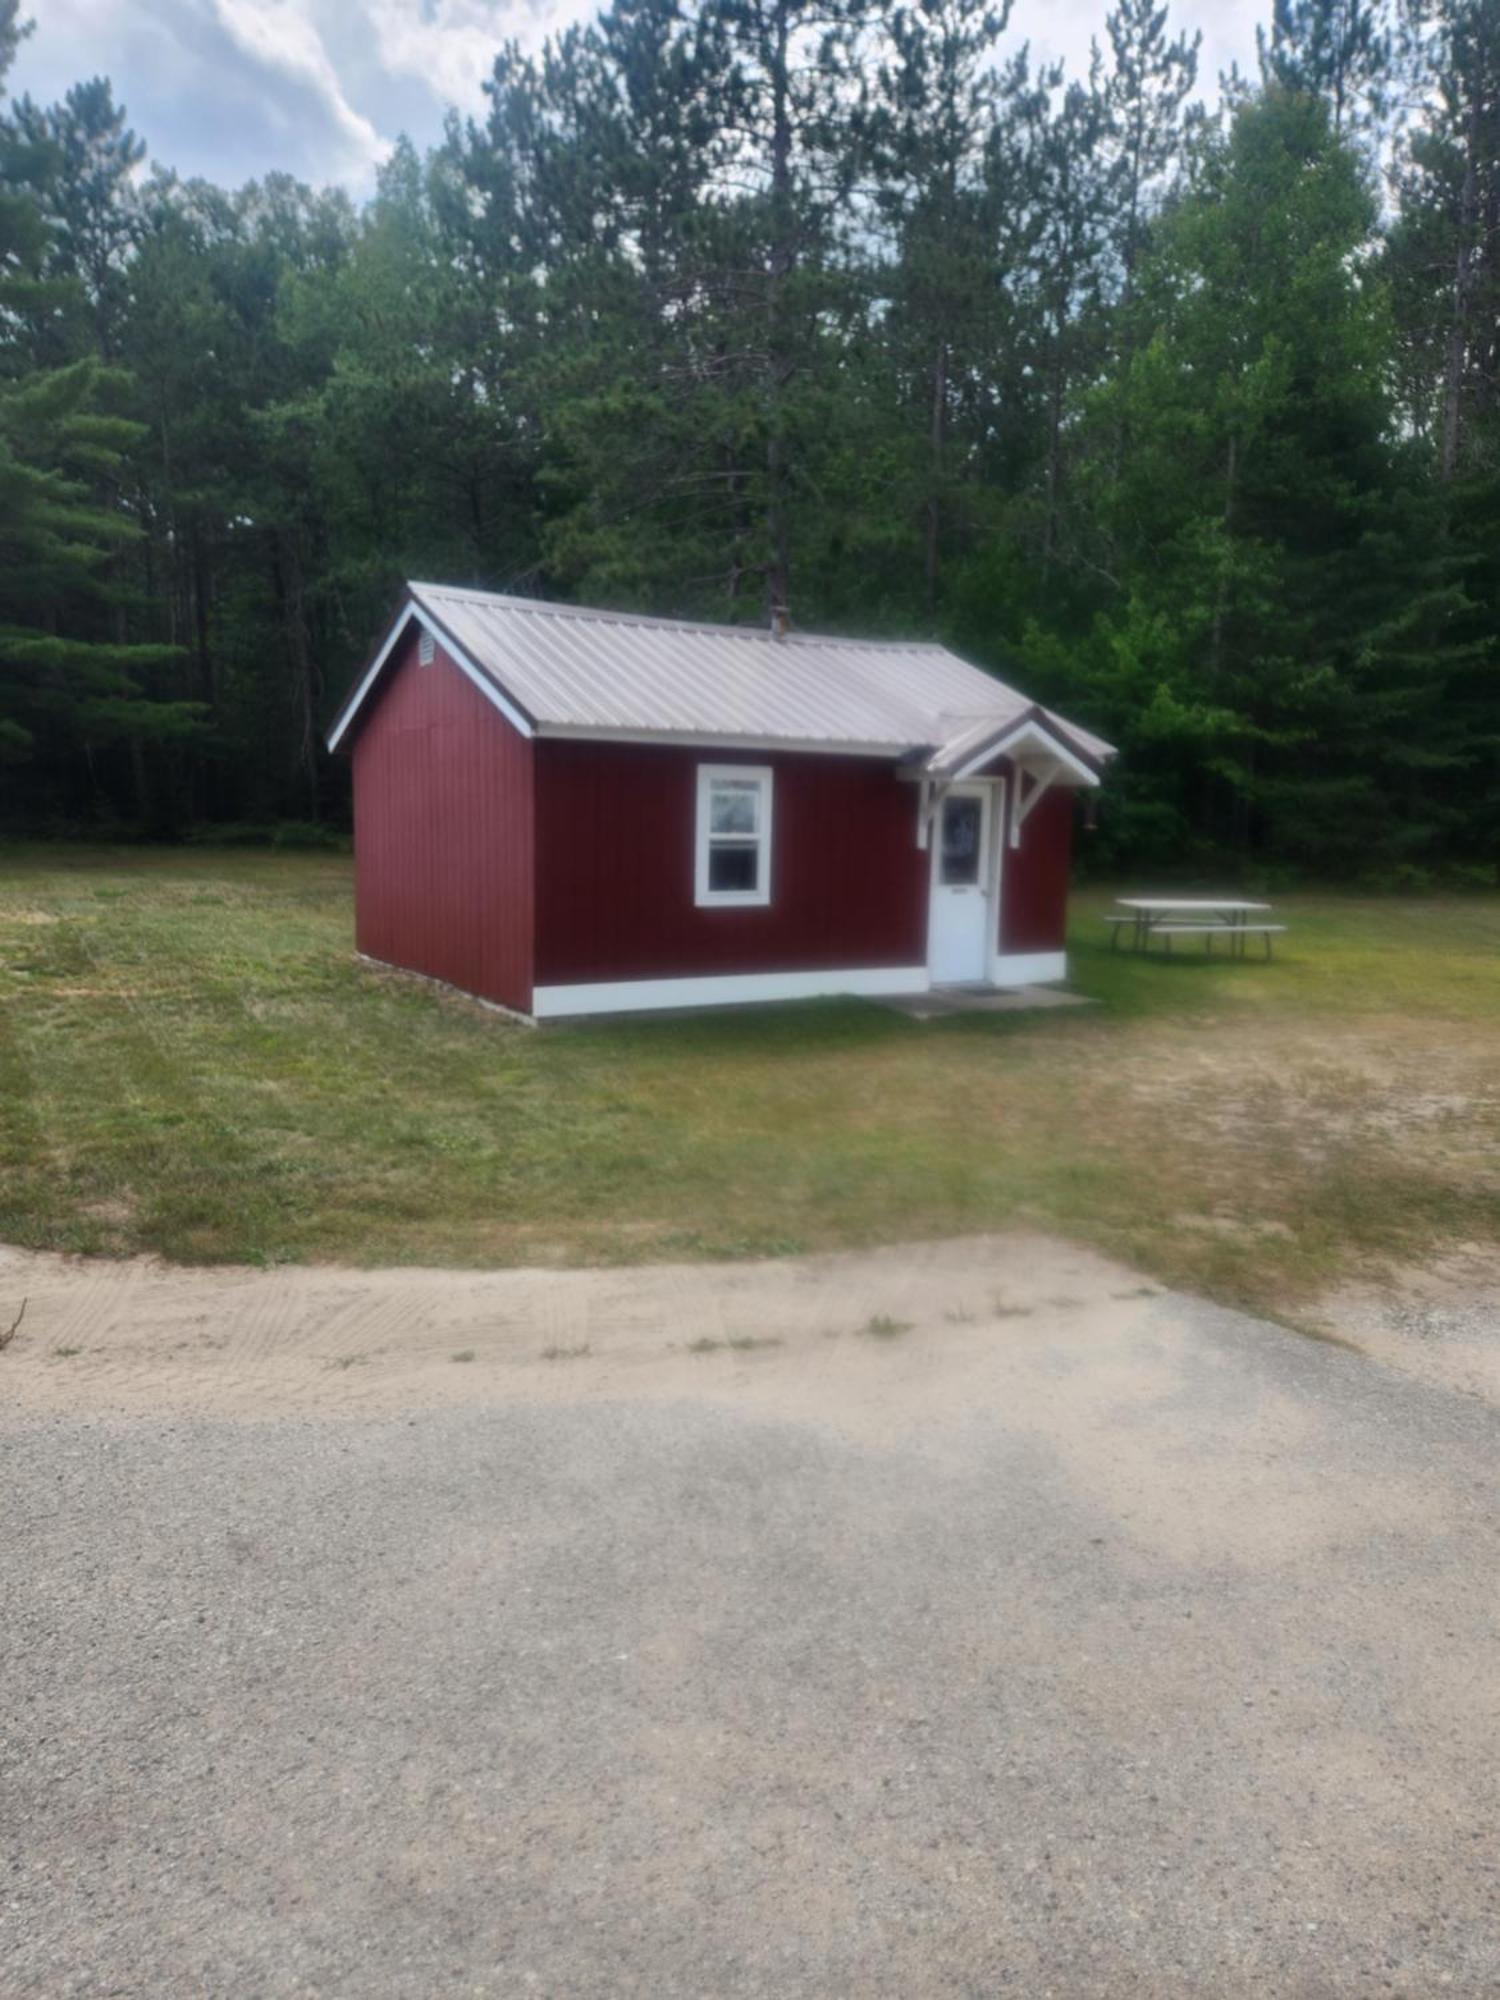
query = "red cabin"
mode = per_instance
[{"x": 585, "y": 812}]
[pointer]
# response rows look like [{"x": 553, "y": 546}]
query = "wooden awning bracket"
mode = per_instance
[
  {"x": 929, "y": 799},
  {"x": 1022, "y": 799}
]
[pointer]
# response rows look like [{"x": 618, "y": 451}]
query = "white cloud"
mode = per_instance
[
  {"x": 450, "y": 45},
  {"x": 1064, "y": 28},
  {"x": 234, "y": 88},
  {"x": 280, "y": 36}
]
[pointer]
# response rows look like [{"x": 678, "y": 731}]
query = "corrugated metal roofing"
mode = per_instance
[{"x": 576, "y": 671}]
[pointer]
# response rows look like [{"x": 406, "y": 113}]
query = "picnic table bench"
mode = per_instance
[{"x": 1234, "y": 919}]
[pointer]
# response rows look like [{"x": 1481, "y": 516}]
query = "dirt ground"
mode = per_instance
[
  {"x": 142, "y": 1336},
  {"x": 1439, "y": 1320},
  {"x": 960, "y": 1619}
]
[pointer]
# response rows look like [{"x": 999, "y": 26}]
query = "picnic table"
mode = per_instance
[{"x": 1234, "y": 919}]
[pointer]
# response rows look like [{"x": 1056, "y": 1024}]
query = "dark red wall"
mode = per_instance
[
  {"x": 614, "y": 844},
  {"x": 1034, "y": 895},
  {"x": 443, "y": 847}
]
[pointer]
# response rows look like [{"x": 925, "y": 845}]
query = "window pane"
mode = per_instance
[
  {"x": 959, "y": 865},
  {"x": 734, "y": 807},
  {"x": 733, "y": 867}
]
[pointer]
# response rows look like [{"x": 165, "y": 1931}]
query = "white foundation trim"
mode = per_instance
[
  {"x": 629, "y": 996},
  {"x": 1028, "y": 968}
]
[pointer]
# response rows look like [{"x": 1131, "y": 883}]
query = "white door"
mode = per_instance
[{"x": 961, "y": 909}]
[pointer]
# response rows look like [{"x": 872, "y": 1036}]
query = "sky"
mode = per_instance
[{"x": 320, "y": 88}]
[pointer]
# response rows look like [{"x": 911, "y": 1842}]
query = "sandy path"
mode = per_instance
[
  {"x": 1439, "y": 1320},
  {"x": 138, "y": 1337}
]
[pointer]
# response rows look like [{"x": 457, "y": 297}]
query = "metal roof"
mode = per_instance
[{"x": 568, "y": 671}]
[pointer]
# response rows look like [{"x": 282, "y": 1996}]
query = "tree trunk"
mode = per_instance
[
  {"x": 206, "y": 679},
  {"x": 1243, "y": 811},
  {"x": 1221, "y": 612},
  {"x": 781, "y": 261},
  {"x": 287, "y": 574},
  {"x": 1054, "y": 452},
  {"x": 1223, "y": 585},
  {"x": 937, "y": 436},
  {"x": 1458, "y": 330}
]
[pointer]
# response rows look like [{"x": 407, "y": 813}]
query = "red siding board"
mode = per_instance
[
  {"x": 499, "y": 863},
  {"x": 1034, "y": 897},
  {"x": 615, "y": 851},
  {"x": 443, "y": 833}
]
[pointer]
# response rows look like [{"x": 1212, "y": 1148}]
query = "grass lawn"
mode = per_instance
[{"x": 193, "y": 1062}]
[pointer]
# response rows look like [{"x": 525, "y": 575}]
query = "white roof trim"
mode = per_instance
[
  {"x": 686, "y": 739},
  {"x": 409, "y": 614},
  {"x": 1030, "y": 732}
]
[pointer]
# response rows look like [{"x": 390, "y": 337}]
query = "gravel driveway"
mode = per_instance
[{"x": 1050, "y": 1638}]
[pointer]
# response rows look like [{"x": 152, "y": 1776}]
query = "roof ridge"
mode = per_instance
[{"x": 593, "y": 614}]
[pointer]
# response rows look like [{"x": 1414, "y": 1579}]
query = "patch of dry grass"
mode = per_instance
[{"x": 192, "y": 1062}]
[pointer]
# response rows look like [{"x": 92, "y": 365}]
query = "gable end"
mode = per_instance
[{"x": 366, "y": 687}]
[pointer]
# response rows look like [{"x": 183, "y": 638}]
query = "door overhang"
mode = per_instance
[{"x": 1036, "y": 752}]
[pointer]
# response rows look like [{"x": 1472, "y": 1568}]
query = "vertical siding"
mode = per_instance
[
  {"x": 615, "y": 835},
  {"x": 1034, "y": 893},
  {"x": 443, "y": 833}
]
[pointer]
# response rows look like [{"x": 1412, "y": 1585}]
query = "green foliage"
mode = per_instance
[
  {"x": 725, "y": 303},
  {"x": 61, "y": 677}
]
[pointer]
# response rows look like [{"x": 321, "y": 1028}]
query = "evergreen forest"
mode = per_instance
[{"x": 1174, "y": 399}]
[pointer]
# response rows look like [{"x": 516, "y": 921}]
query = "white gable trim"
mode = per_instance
[
  {"x": 460, "y": 659},
  {"x": 1030, "y": 735}
]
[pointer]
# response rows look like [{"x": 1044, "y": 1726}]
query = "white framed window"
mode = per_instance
[{"x": 732, "y": 864}]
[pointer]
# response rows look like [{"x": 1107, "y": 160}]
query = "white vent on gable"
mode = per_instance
[{"x": 425, "y": 650}]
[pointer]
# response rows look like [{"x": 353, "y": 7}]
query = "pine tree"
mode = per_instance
[
  {"x": 1072, "y": 236},
  {"x": 69, "y": 679},
  {"x": 1444, "y": 252},
  {"x": 1268, "y": 559},
  {"x": 791, "y": 87},
  {"x": 1339, "y": 50},
  {"x": 86, "y": 190},
  {"x": 939, "y": 97},
  {"x": 1442, "y": 263},
  {"x": 1150, "y": 81}
]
